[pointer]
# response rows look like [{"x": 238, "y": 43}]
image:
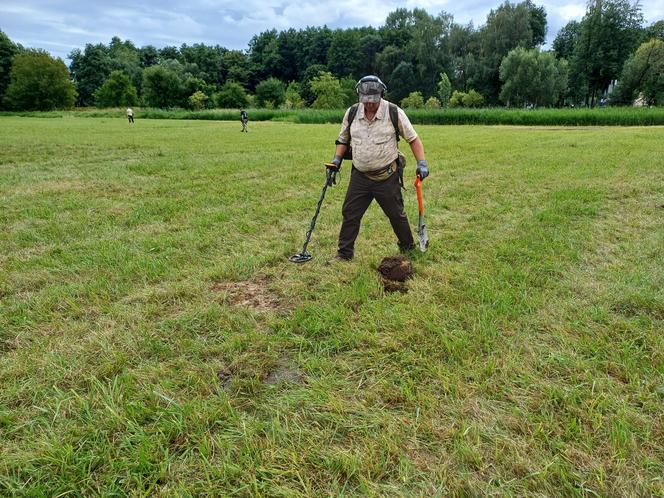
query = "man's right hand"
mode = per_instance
[
  {"x": 335, "y": 163},
  {"x": 333, "y": 168}
]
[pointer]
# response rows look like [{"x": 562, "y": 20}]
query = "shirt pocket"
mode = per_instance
[{"x": 383, "y": 138}]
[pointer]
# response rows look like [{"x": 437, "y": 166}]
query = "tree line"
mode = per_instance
[{"x": 425, "y": 60}]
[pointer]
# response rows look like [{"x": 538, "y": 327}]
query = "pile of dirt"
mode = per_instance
[
  {"x": 250, "y": 294},
  {"x": 394, "y": 271}
]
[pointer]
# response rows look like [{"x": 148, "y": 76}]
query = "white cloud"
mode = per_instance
[{"x": 568, "y": 12}]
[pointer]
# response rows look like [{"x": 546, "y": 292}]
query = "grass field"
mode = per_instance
[{"x": 154, "y": 340}]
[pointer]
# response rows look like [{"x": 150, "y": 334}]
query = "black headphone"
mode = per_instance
[{"x": 371, "y": 79}]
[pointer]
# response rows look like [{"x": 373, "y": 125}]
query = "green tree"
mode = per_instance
[
  {"x": 92, "y": 67},
  {"x": 315, "y": 46},
  {"x": 456, "y": 99},
  {"x": 655, "y": 30},
  {"x": 433, "y": 103},
  {"x": 126, "y": 58},
  {"x": 643, "y": 73},
  {"x": 231, "y": 96},
  {"x": 197, "y": 100},
  {"x": 270, "y": 93},
  {"x": 444, "y": 89},
  {"x": 236, "y": 67},
  {"x": 192, "y": 84},
  {"x": 168, "y": 53},
  {"x": 117, "y": 91},
  {"x": 264, "y": 55},
  {"x": 162, "y": 87},
  {"x": 328, "y": 91},
  {"x": 472, "y": 99},
  {"x": 7, "y": 52},
  {"x": 305, "y": 83},
  {"x": 427, "y": 48},
  {"x": 508, "y": 27},
  {"x": 537, "y": 18},
  {"x": 293, "y": 98},
  {"x": 289, "y": 46},
  {"x": 148, "y": 56},
  {"x": 565, "y": 42},
  {"x": 209, "y": 61},
  {"x": 348, "y": 89},
  {"x": 463, "y": 47},
  {"x": 388, "y": 60},
  {"x": 532, "y": 77},
  {"x": 38, "y": 82},
  {"x": 89, "y": 69},
  {"x": 608, "y": 35},
  {"x": 402, "y": 82},
  {"x": 413, "y": 101},
  {"x": 341, "y": 59},
  {"x": 370, "y": 46},
  {"x": 398, "y": 28}
]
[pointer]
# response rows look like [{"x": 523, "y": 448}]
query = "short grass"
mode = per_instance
[{"x": 154, "y": 340}]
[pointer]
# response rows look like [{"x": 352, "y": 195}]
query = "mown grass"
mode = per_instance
[
  {"x": 611, "y": 116},
  {"x": 526, "y": 358}
]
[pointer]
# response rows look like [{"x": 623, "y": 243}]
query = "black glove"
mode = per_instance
[
  {"x": 422, "y": 169},
  {"x": 335, "y": 163},
  {"x": 332, "y": 169}
]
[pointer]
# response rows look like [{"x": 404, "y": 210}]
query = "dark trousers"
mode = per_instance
[
  {"x": 361, "y": 191},
  {"x": 130, "y": 118}
]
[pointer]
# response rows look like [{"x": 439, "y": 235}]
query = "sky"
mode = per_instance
[{"x": 60, "y": 26}]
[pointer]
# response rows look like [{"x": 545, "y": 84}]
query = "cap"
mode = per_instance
[{"x": 370, "y": 90}]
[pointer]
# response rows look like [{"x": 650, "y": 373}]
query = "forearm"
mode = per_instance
[
  {"x": 341, "y": 150},
  {"x": 418, "y": 149}
]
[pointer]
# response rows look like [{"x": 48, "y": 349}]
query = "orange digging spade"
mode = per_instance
[{"x": 422, "y": 233}]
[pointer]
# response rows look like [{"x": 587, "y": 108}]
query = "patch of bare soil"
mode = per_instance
[
  {"x": 225, "y": 377},
  {"x": 250, "y": 294},
  {"x": 283, "y": 372},
  {"x": 395, "y": 271}
]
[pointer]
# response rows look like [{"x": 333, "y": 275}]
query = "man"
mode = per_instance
[
  {"x": 377, "y": 169},
  {"x": 130, "y": 115},
  {"x": 244, "y": 118}
]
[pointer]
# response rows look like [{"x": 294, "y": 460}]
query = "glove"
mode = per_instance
[
  {"x": 422, "y": 169},
  {"x": 335, "y": 163},
  {"x": 333, "y": 168}
]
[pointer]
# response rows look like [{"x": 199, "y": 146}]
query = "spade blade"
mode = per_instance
[{"x": 423, "y": 235}]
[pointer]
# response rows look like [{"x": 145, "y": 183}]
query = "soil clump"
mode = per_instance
[{"x": 395, "y": 271}]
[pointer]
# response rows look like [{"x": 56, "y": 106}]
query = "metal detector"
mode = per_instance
[{"x": 330, "y": 180}]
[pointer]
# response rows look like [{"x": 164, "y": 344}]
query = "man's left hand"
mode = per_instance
[{"x": 422, "y": 169}]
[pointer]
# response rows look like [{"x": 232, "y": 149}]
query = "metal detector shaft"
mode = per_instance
[{"x": 304, "y": 256}]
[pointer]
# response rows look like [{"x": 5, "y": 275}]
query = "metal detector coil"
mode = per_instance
[{"x": 301, "y": 257}]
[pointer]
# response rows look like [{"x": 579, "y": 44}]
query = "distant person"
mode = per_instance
[
  {"x": 130, "y": 115},
  {"x": 244, "y": 118}
]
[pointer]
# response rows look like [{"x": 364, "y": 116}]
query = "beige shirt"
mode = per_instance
[{"x": 374, "y": 142}]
